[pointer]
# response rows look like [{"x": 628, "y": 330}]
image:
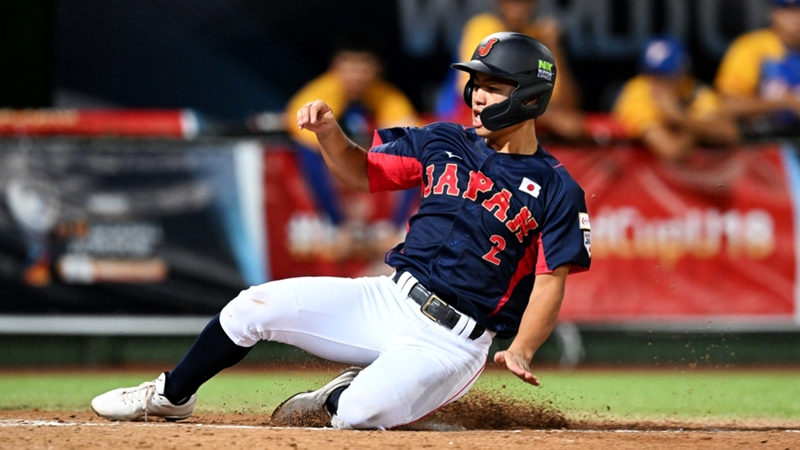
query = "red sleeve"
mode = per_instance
[{"x": 390, "y": 166}]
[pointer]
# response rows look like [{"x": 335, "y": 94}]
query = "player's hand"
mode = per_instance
[
  {"x": 517, "y": 365},
  {"x": 316, "y": 116}
]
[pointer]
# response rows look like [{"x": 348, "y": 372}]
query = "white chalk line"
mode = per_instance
[
  {"x": 8, "y": 423},
  {"x": 54, "y": 423}
]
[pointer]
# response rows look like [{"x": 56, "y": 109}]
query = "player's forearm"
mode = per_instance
[
  {"x": 346, "y": 160},
  {"x": 541, "y": 314},
  {"x": 716, "y": 130},
  {"x": 668, "y": 145},
  {"x": 530, "y": 338}
]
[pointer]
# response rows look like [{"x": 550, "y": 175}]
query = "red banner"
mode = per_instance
[
  {"x": 145, "y": 123},
  {"x": 712, "y": 238},
  {"x": 709, "y": 238},
  {"x": 302, "y": 242}
]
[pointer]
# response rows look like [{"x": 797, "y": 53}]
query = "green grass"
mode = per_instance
[
  {"x": 676, "y": 395},
  {"x": 247, "y": 392}
]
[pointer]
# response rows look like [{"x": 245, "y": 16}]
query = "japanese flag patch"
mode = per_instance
[
  {"x": 529, "y": 187},
  {"x": 583, "y": 221}
]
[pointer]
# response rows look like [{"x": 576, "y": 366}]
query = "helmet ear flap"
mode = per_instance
[
  {"x": 541, "y": 91},
  {"x": 468, "y": 88}
]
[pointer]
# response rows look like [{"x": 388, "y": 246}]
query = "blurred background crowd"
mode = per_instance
[
  {"x": 234, "y": 59},
  {"x": 680, "y": 118},
  {"x": 672, "y": 75}
]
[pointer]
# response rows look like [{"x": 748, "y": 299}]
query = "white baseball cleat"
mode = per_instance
[
  {"x": 147, "y": 399},
  {"x": 307, "y": 408}
]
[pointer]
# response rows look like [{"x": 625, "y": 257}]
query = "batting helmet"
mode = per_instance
[{"x": 521, "y": 59}]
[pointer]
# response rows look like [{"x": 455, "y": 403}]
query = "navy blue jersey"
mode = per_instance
[{"x": 488, "y": 222}]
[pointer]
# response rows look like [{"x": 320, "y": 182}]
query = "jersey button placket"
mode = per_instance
[{"x": 486, "y": 167}]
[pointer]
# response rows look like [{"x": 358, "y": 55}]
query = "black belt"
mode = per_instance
[{"x": 437, "y": 309}]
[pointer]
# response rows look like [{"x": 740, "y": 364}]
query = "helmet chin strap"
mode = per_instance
[{"x": 494, "y": 117}]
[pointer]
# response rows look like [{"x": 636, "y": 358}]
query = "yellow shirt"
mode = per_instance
[
  {"x": 739, "y": 72},
  {"x": 637, "y": 111},
  {"x": 478, "y": 28},
  {"x": 386, "y": 103}
]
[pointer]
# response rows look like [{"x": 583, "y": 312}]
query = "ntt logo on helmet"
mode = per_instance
[
  {"x": 484, "y": 49},
  {"x": 545, "y": 70}
]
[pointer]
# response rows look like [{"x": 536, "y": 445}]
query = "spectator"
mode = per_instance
[
  {"x": 669, "y": 110},
  {"x": 759, "y": 76},
  {"x": 563, "y": 118},
  {"x": 354, "y": 88}
]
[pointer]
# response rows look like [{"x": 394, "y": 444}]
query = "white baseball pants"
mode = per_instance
[{"x": 413, "y": 365}]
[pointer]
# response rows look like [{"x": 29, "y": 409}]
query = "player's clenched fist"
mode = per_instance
[{"x": 316, "y": 116}]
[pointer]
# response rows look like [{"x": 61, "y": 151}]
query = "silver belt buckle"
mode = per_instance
[{"x": 431, "y": 299}]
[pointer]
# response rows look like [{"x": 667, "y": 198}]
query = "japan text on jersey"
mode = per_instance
[{"x": 488, "y": 222}]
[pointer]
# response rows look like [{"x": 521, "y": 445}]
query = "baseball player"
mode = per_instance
[{"x": 500, "y": 225}]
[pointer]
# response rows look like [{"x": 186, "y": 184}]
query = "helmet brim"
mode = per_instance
[
  {"x": 472, "y": 66},
  {"x": 478, "y": 66}
]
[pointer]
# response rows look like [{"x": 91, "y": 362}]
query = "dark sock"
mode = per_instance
[
  {"x": 211, "y": 352},
  {"x": 332, "y": 403}
]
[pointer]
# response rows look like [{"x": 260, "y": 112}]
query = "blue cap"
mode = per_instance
[
  {"x": 780, "y": 3},
  {"x": 664, "y": 56}
]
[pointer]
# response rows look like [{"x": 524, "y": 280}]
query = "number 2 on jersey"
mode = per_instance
[{"x": 498, "y": 245}]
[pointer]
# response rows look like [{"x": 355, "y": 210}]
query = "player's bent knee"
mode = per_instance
[
  {"x": 253, "y": 312},
  {"x": 364, "y": 414}
]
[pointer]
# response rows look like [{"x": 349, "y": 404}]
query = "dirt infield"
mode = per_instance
[
  {"x": 478, "y": 420},
  {"x": 82, "y": 430}
]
